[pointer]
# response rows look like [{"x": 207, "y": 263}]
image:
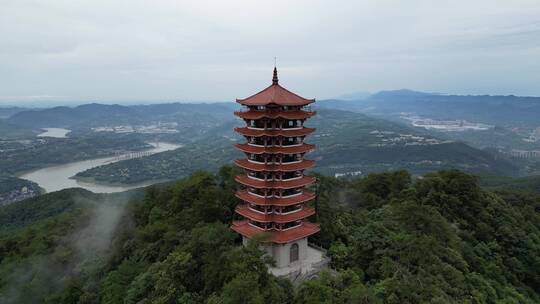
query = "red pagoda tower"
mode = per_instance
[{"x": 274, "y": 197}]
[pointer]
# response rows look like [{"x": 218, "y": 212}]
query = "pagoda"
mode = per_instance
[{"x": 274, "y": 194}]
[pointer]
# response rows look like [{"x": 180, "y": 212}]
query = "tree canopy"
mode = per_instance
[{"x": 392, "y": 238}]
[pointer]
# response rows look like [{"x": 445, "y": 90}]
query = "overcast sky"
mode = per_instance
[{"x": 142, "y": 51}]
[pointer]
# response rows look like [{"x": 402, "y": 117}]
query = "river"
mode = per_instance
[
  {"x": 54, "y": 132},
  {"x": 56, "y": 178}
]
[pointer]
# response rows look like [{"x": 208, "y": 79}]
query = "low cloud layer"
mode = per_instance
[
  {"x": 83, "y": 250},
  {"x": 218, "y": 50}
]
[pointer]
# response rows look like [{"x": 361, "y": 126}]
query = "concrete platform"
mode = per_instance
[{"x": 309, "y": 267}]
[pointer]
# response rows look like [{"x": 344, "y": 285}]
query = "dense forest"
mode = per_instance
[{"x": 440, "y": 238}]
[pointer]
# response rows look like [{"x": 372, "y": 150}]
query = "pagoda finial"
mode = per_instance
[{"x": 275, "y": 78}]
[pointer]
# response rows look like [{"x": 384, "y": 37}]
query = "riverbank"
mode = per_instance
[
  {"x": 58, "y": 177},
  {"x": 93, "y": 181}
]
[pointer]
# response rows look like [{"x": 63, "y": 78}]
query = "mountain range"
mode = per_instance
[{"x": 499, "y": 110}]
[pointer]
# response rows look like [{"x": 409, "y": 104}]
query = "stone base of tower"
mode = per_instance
[{"x": 311, "y": 260}]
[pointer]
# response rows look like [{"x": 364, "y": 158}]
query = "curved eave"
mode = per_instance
[
  {"x": 246, "y": 164},
  {"x": 304, "y": 148},
  {"x": 283, "y": 132},
  {"x": 245, "y": 196},
  {"x": 275, "y": 94},
  {"x": 274, "y": 115},
  {"x": 246, "y": 212},
  {"x": 287, "y": 184},
  {"x": 275, "y": 236}
]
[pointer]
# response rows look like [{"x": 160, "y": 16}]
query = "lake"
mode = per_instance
[
  {"x": 56, "y": 178},
  {"x": 54, "y": 132}
]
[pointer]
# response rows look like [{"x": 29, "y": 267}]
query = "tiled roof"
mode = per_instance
[{"x": 304, "y": 230}]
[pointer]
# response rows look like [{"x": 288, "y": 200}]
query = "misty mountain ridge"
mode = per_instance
[
  {"x": 490, "y": 109},
  {"x": 96, "y": 114}
]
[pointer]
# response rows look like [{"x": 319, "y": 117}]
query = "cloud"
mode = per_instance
[{"x": 219, "y": 50}]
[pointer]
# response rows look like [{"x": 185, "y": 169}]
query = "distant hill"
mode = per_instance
[
  {"x": 23, "y": 213},
  {"x": 92, "y": 115},
  {"x": 502, "y": 110},
  {"x": 346, "y": 142},
  {"x": 354, "y": 96},
  {"x": 11, "y": 131},
  {"x": 528, "y": 183},
  {"x": 6, "y": 112},
  {"x": 402, "y": 93}
]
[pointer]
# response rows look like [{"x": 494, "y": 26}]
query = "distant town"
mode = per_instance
[
  {"x": 444, "y": 125},
  {"x": 389, "y": 138},
  {"x": 159, "y": 128}
]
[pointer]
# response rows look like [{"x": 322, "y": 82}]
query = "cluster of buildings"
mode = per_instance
[
  {"x": 445, "y": 125},
  {"x": 159, "y": 128},
  {"x": 389, "y": 138},
  {"x": 525, "y": 154},
  {"x": 534, "y": 136},
  {"x": 19, "y": 194}
]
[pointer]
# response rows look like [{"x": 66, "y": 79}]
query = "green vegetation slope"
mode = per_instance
[{"x": 392, "y": 239}]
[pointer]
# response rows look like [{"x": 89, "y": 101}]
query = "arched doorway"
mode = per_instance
[{"x": 294, "y": 253}]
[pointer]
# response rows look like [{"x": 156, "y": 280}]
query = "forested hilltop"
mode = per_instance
[{"x": 392, "y": 239}]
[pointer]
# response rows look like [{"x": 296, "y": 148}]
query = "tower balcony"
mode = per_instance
[
  {"x": 290, "y": 200},
  {"x": 287, "y": 167},
  {"x": 258, "y": 216},
  {"x": 253, "y": 114},
  {"x": 275, "y": 184},
  {"x": 302, "y": 148},
  {"x": 292, "y": 132}
]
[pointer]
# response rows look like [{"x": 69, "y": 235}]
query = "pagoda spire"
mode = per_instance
[{"x": 275, "y": 78}]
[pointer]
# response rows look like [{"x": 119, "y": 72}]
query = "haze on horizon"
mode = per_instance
[{"x": 128, "y": 51}]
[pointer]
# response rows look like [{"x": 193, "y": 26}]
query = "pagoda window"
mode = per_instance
[
  {"x": 290, "y": 175},
  {"x": 290, "y": 225},
  {"x": 290, "y": 192},
  {"x": 259, "y": 224},
  {"x": 258, "y": 141},
  {"x": 294, "y": 253},
  {"x": 288, "y": 158},
  {"x": 259, "y": 192},
  {"x": 257, "y": 158},
  {"x": 258, "y": 124},
  {"x": 259, "y": 175},
  {"x": 261, "y": 209},
  {"x": 289, "y": 209}
]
